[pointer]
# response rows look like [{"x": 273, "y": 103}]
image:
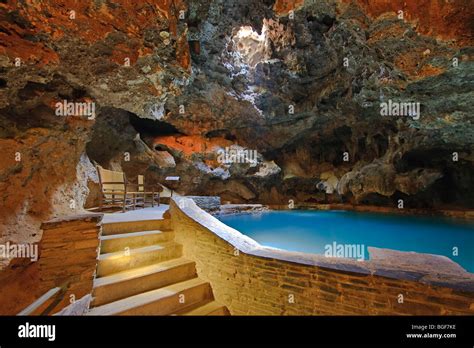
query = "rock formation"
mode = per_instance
[{"x": 290, "y": 91}]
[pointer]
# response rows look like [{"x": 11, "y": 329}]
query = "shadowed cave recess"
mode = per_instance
[{"x": 299, "y": 82}]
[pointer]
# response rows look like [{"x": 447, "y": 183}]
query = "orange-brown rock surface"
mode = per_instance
[
  {"x": 304, "y": 91},
  {"x": 443, "y": 19},
  {"x": 126, "y": 54}
]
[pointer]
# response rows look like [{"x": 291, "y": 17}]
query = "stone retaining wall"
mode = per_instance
[
  {"x": 69, "y": 249},
  {"x": 254, "y": 280},
  {"x": 207, "y": 202}
]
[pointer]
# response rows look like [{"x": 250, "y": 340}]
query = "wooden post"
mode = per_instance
[
  {"x": 124, "y": 197},
  {"x": 101, "y": 197}
]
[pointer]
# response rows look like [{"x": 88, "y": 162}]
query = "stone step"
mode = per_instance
[
  {"x": 118, "y": 242},
  {"x": 135, "y": 226},
  {"x": 128, "y": 283},
  {"x": 205, "y": 308},
  {"x": 120, "y": 261},
  {"x": 163, "y": 301}
]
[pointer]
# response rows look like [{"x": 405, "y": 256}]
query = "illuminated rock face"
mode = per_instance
[
  {"x": 303, "y": 91},
  {"x": 124, "y": 57}
]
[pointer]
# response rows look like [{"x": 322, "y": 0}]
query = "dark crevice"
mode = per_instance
[
  {"x": 147, "y": 127},
  {"x": 431, "y": 158},
  {"x": 221, "y": 133}
]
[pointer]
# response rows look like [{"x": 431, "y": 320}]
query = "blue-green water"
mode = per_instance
[{"x": 310, "y": 231}]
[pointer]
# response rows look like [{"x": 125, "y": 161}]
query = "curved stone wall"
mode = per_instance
[{"x": 254, "y": 280}]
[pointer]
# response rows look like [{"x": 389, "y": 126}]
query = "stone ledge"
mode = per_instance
[
  {"x": 207, "y": 202},
  {"x": 227, "y": 209},
  {"x": 86, "y": 217},
  {"x": 68, "y": 256},
  {"x": 435, "y": 270}
]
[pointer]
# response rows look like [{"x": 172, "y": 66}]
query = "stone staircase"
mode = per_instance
[{"x": 141, "y": 271}]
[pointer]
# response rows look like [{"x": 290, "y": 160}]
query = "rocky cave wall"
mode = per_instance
[
  {"x": 175, "y": 85},
  {"x": 334, "y": 146},
  {"x": 126, "y": 57}
]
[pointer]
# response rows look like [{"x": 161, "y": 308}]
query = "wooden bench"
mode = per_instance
[
  {"x": 143, "y": 191},
  {"x": 117, "y": 192}
]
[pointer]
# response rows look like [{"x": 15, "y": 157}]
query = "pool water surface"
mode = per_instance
[{"x": 318, "y": 231}]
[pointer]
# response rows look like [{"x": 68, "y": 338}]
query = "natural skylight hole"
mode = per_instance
[{"x": 250, "y": 45}]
